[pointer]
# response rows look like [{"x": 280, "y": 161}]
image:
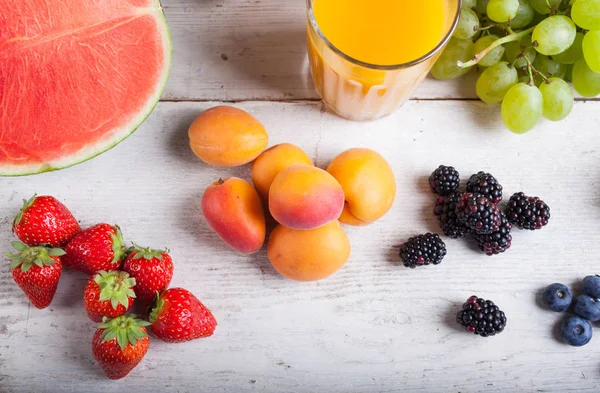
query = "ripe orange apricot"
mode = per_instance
[
  {"x": 234, "y": 211},
  {"x": 369, "y": 185},
  {"x": 227, "y": 136},
  {"x": 274, "y": 160},
  {"x": 305, "y": 197},
  {"x": 308, "y": 255}
]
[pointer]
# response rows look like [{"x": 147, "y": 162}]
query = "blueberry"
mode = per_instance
[
  {"x": 587, "y": 307},
  {"x": 576, "y": 331},
  {"x": 557, "y": 297},
  {"x": 591, "y": 286}
]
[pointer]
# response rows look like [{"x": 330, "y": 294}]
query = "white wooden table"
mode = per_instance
[{"x": 375, "y": 326}]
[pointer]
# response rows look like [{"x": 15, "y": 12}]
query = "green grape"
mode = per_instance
[
  {"x": 493, "y": 56},
  {"x": 558, "y": 99},
  {"x": 522, "y": 108},
  {"x": 537, "y": 18},
  {"x": 513, "y": 52},
  {"x": 524, "y": 15},
  {"x": 585, "y": 81},
  {"x": 502, "y": 10},
  {"x": 569, "y": 74},
  {"x": 573, "y": 54},
  {"x": 554, "y": 35},
  {"x": 549, "y": 67},
  {"x": 541, "y": 6},
  {"x": 586, "y": 14},
  {"x": 523, "y": 79},
  {"x": 494, "y": 82},
  {"x": 481, "y": 6},
  {"x": 470, "y": 4},
  {"x": 591, "y": 49},
  {"x": 468, "y": 24},
  {"x": 445, "y": 67}
]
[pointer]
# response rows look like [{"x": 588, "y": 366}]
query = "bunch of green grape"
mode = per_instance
[{"x": 527, "y": 50}]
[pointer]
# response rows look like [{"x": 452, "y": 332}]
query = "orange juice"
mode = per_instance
[
  {"x": 368, "y": 56},
  {"x": 382, "y": 32}
]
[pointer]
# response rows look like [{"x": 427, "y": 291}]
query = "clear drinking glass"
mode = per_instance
[{"x": 359, "y": 91}]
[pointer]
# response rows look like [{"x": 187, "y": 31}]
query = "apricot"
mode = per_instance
[
  {"x": 368, "y": 182},
  {"x": 308, "y": 255},
  {"x": 227, "y": 136},
  {"x": 234, "y": 211},
  {"x": 305, "y": 197},
  {"x": 274, "y": 160}
]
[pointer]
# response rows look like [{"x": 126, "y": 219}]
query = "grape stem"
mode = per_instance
[
  {"x": 531, "y": 70},
  {"x": 554, "y": 8},
  {"x": 495, "y": 44}
]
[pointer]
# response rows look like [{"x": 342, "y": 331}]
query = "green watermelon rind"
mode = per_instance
[{"x": 73, "y": 159}]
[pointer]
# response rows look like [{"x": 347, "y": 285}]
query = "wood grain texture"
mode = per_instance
[
  {"x": 373, "y": 327},
  {"x": 253, "y": 50}
]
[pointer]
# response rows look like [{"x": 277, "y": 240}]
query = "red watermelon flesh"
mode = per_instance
[{"x": 76, "y": 78}]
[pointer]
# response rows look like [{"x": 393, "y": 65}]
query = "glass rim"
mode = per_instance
[{"x": 379, "y": 67}]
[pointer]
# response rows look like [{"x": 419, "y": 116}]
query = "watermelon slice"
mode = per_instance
[{"x": 76, "y": 78}]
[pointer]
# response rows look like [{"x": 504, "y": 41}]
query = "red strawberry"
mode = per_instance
[
  {"x": 36, "y": 270},
  {"x": 108, "y": 294},
  {"x": 45, "y": 220},
  {"x": 152, "y": 270},
  {"x": 120, "y": 344},
  {"x": 179, "y": 316},
  {"x": 96, "y": 248}
]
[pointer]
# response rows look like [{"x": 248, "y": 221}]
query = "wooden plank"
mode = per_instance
[
  {"x": 373, "y": 327},
  {"x": 253, "y": 50}
]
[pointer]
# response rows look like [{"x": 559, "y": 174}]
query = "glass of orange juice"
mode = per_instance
[{"x": 367, "y": 57}]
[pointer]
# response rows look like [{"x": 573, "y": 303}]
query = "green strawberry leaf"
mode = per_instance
[
  {"x": 26, "y": 205},
  {"x": 19, "y": 246},
  {"x": 56, "y": 252},
  {"x": 147, "y": 253},
  {"x": 122, "y": 299},
  {"x": 115, "y": 286},
  {"x": 25, "y": 266},
  {"x": 109, "y": 334},
  {"x": 126, "y": 329},
  {"x": 156, "y": 309},
  {"x": 15, "y": 263},
  {"x": 118, "y": 246},
  {"x": 30, "y": 256}
]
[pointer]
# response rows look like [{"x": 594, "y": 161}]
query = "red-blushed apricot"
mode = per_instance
[
  {"x": 308, "y": 255},
  {"x": 305, "y": 197},
  {"x": 234, "y": 211},
  {"x": 274, "y": 160},
  {"x": 227, "y": 136},
  {"x": 368, "y": 182}
]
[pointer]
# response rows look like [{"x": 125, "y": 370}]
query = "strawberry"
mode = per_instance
[
  {"x": 45, "y": 220},
  {"x": 152, "y": 270},
  {"x": 179, "y": 316},
  {"x": 120, "y": 344},
  {"x": 108, "y": 294},
  {"x": 96, "y": 248},
  {"x": 36, "y": 270}
]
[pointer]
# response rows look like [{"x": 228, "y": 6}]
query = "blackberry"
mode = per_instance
[
  {"x": 423, "y": 250},
  {"x": 496, "y": 242},
  {"x": 444, "y": 180},
  {"x": 481, "y": 317},
  {"x": 478, "y": 213},
  {"x": 486, "y": 185},
  {"x": 445, "y": 211},
  {"x": 527, "y": 212}
]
